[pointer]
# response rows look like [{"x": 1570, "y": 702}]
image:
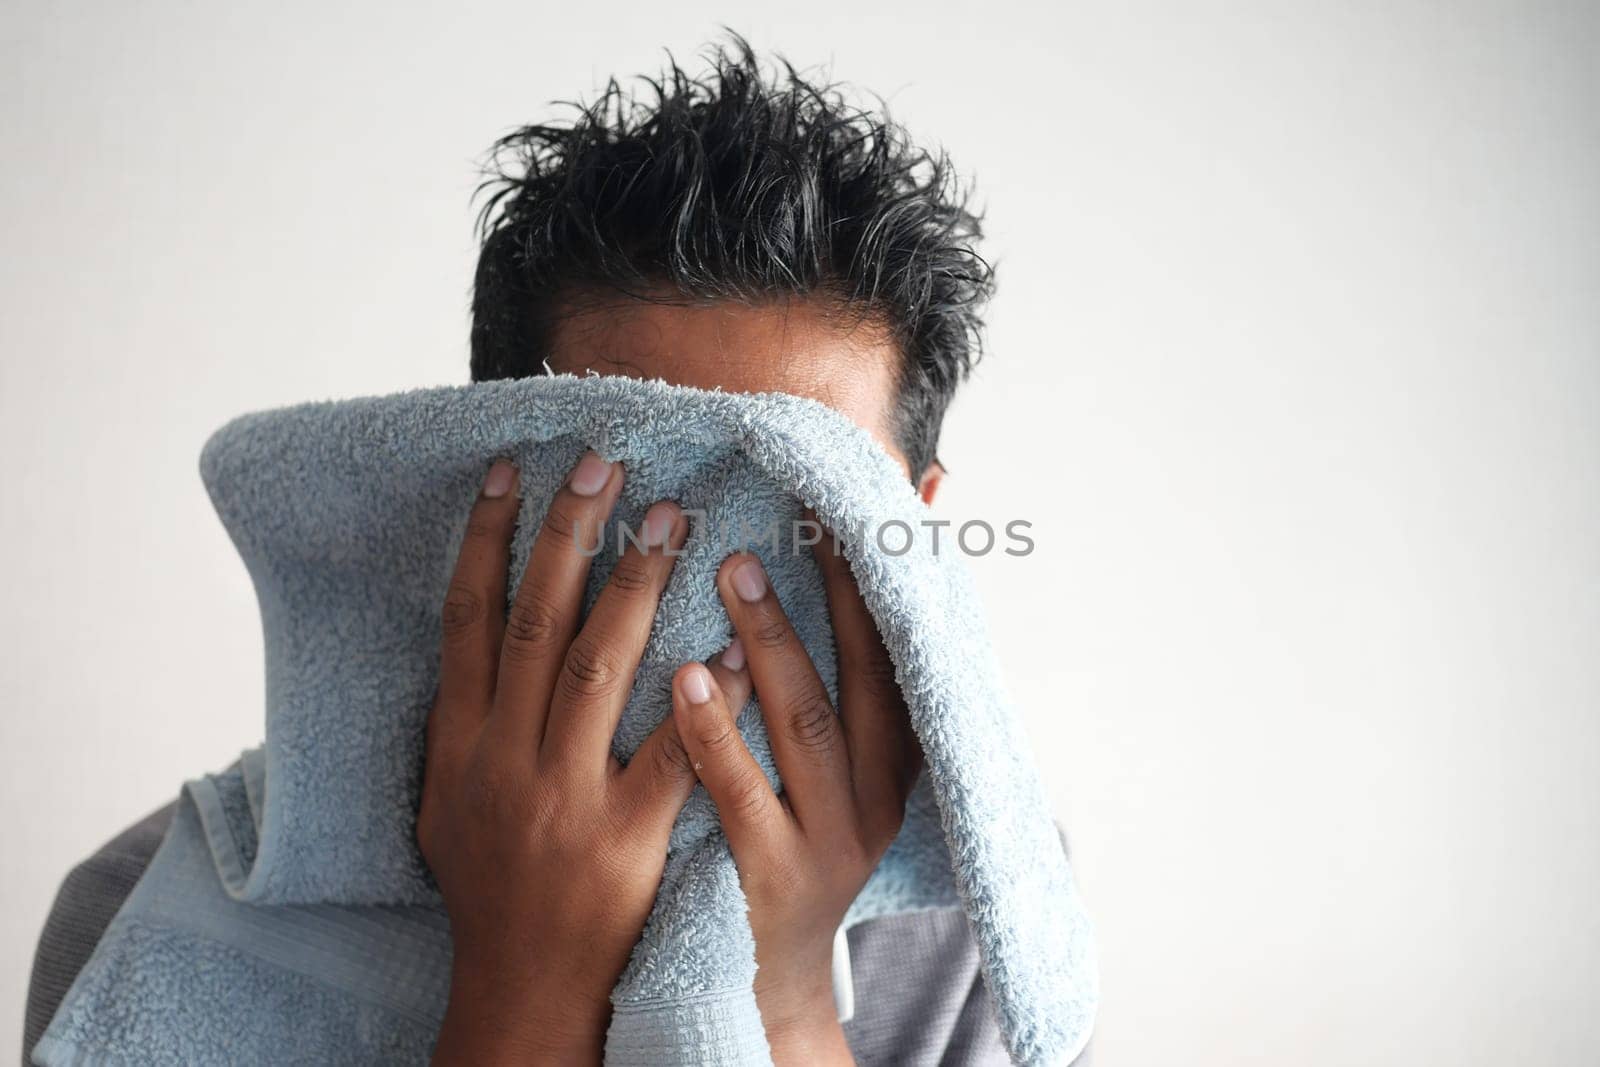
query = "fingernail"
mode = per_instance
[
  {"x": 498, "y": 482},
  {"x": 658, "y": 524},
  {"x": 590, "y": 475},
  {"x": 697, "y": 685},
  {"x": 733, "y": 656},
  {"x": 750, "y": 581}
]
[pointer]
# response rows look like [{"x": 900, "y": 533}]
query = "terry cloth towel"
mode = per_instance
[{"x": 288, "y": 915}]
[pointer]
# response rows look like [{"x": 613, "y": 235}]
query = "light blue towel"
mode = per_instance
[{"x": 288, "y": 915}]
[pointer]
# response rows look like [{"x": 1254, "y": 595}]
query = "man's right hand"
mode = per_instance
[{"x": 548, "y": 852}]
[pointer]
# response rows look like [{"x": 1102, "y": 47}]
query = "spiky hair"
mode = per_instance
[{"x": 736, "y": 184}]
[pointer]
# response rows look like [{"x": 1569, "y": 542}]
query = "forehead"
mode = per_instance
[{"x": 805, "y": 346}]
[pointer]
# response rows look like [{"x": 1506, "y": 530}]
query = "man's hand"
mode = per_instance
[
  {"x": 547, "y": 851},
  {"x": 804, "y": 856}
]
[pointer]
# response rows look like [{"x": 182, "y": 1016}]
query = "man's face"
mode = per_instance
[{"x": 796, "y": 346}]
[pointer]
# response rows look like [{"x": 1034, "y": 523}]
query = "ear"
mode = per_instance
[{"x": 932, "y": 478}]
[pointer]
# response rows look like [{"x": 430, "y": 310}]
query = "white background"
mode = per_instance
[{"x": 1295, "y": 367}]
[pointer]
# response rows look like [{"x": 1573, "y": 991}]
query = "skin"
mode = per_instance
[{"x": 547, "y": 850}]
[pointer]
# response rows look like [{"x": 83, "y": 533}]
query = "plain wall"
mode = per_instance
[{"x": 1295, "y": 368}]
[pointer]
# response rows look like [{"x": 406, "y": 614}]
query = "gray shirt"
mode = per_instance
[{"x": 919, "y": 998}]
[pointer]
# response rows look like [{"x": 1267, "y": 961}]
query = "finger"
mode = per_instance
[
  {"x": 807, "y": 740},
  {"x": 884, "y": 753},
  {"x": 597, "y": 673},
  {"x": 752, "y": 818},
  {"x": 662, "y": 748},
  {"x": 544, "y": 615},
  {"x": 733, "y": 677},
  {"x": 474, "y": 607},
  {"x": 657, "y": 780}
]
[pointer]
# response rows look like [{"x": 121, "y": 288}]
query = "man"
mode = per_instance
[{"x": 739, "y": 232}]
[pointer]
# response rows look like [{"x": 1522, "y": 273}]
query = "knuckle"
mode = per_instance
[
  {"x": 591, "y": 670},
  {"x": 531, "y": 626},
  {"x": 671, "y": 759},
  {"x": 463, "y": 609},
  {"x": 632, "y": 575},
  {"x": 811, "y": 722},
  {"x": 717, "y": 737},
  {"x": 877, "y": 679},
  {"x": 562, "y": 520},
  {"x": 480, "y": 528},
  {"x": 771, "y": 632},
  {"x": 746, "y": 795}
]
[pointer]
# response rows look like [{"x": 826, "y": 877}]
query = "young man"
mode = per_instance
[{"x": 736, "y": 231}]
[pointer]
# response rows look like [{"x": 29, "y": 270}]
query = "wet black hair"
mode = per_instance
[{"x": 738, "y": 183}]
